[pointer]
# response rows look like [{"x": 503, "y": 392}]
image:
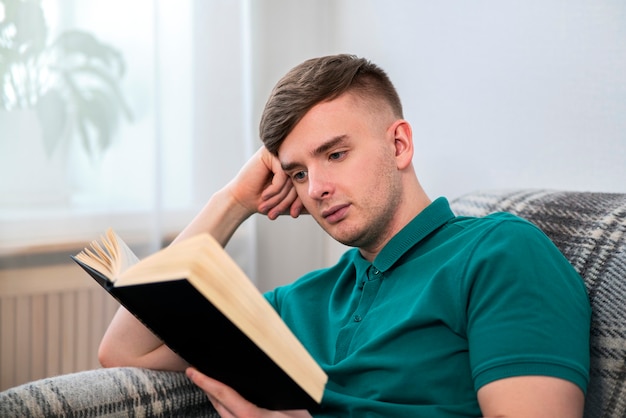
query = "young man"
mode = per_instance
[{"x": 430, "y": 315}]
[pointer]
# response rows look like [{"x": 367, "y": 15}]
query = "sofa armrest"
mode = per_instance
[{"x": 113, "y": 392}]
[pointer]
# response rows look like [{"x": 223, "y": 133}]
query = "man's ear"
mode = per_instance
[{"x": 403, "y": 142}]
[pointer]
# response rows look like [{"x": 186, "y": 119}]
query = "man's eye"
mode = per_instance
[
  {"x": 336, "y": 155},
  {"x": 298, "y": 176}
]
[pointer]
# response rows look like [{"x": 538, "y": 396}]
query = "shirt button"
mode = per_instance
[{"x": 357, "y": 318}]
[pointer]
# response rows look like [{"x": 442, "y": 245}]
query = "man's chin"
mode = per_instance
[
  {"x": 349, "y": 240},
  {"x": 342, "y": 233}
]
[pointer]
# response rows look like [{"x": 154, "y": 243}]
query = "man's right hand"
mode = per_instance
[{"x": 262, "y": 186}]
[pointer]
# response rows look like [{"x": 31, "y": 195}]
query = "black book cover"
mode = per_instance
[{"x": 191, "y": 326}]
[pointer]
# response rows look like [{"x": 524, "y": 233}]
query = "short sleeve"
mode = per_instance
[{"x": 528, "y": 311}]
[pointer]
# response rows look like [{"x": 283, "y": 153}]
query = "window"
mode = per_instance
[{"x": 105, "y": 122}]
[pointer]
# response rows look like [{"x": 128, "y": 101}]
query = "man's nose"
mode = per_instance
[{"x": 319, "y": 185}]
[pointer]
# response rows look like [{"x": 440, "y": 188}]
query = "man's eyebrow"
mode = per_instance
[
  {"x": 331, "y": 143},
  {"x": 288, "y": 166},
  {"x": 323, "y": 148}
]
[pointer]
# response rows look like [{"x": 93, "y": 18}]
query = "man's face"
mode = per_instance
[{"x": 341, "y": 159}]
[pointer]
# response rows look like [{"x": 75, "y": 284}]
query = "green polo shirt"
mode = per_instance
[{"x": 449, "y": 305}]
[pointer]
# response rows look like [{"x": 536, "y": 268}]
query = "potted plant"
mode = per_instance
[{"x": 71, "y": 81}]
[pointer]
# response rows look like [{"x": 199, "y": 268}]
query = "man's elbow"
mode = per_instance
[
  {"x": 110, "y": 354},
  {"x": 107, "y": 357}
]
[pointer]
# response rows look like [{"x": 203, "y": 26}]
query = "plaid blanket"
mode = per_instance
[{"x": 115, "y": 392}]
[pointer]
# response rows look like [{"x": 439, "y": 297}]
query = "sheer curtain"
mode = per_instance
[
  {"x": 112, "y": 114},
  {"x": 121, "y": 114}
]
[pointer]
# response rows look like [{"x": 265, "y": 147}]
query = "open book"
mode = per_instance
[{"x": 195, "y": 298}]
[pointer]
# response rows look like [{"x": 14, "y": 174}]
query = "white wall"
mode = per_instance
[
  {"x": 504, "y": 93},
  {"x": 501, "y": 94}
]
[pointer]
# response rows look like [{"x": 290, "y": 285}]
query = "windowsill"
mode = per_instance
[
  {"x": 32, "y": 234},
  {"x": 32, "y": 243}
]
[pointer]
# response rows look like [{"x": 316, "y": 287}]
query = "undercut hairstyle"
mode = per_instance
[{"x": 318, "y": 80}]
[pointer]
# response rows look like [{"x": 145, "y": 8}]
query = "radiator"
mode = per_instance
[{"x": 51, "y": 321}]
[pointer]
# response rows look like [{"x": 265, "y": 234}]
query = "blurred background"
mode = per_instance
[{"x": 131, "y": 114}]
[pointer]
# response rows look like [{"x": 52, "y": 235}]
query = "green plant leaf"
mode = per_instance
[
  {"x": 99, "y": 116},
  {"x": 101, "y": 80},
  {"x": 85, "y": 45}
]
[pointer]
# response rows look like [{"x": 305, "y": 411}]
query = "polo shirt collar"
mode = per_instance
[{"x": 427, "y": 221}]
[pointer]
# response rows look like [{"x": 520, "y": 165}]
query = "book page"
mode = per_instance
[
  {"x": 124, "y": 256},
  {"x": 110, "y": 255}
]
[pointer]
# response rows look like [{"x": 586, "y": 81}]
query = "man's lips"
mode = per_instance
[{"x": 335, "y": 213}]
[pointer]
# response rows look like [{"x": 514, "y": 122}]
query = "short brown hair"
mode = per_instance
[{"x": 317, "y": 80}]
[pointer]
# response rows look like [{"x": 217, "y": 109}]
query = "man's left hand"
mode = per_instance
[{"x": 229, "y": 404}]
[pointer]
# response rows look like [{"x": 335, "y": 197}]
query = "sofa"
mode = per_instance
[{"x": 589, "y": 228}]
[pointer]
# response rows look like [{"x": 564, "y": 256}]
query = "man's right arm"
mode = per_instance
[{"x": 260, "y": 187}]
